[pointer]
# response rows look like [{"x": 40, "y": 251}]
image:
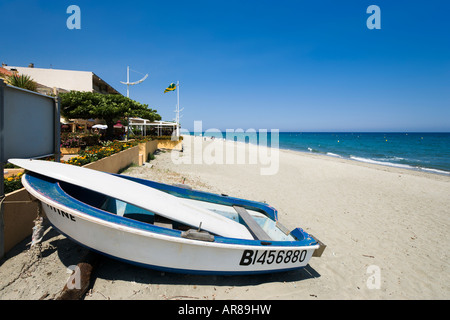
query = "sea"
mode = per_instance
[{"x": 428, "y": 152}]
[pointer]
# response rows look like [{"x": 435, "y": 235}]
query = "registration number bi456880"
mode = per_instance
[{"x": 250, "y": 257}]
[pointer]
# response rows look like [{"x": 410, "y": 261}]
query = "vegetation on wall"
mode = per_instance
[{"x": 21, "y": 81}]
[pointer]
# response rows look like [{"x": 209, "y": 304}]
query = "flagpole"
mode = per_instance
[
  {"x": 128, "y": 95},
  {"x": 128, "y": 81},
  {"x": 178, "y": 110}
]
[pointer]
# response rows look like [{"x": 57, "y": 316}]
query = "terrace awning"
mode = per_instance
[
  {"x": 100, "y": 126},
  {"x": 156, "y": 124}
]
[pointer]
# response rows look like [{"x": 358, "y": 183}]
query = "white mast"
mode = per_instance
[{"x": 128, "y": 83}]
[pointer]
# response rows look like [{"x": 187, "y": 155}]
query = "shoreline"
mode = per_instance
[
  {"x": 380, "y": 166},
  {"x": 364, "y": 161}
]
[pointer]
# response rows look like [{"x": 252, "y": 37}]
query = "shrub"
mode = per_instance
[
  {"x": 70, "y": 140},
  {"x": 90, "y": 139},
  {"x": 12, "y": 183},
  {"x": 71, "y": 143},
  {"x": 76, "y": 140},
  {"x": 22, "y": 81},
  {"x": 94, "y": 153}
]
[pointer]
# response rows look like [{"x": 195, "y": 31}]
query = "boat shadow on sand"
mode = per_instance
[
  {"x": 111, "y": 269},
  {"x": 70, "y": 253}
]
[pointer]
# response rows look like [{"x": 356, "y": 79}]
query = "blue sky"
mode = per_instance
[{"x": 287, "y": 65}]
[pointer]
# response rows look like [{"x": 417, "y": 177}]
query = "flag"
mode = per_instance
[{"x": 172, "y": 87}]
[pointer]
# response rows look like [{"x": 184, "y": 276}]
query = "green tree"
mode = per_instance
[{"x": 109, "y": 107}]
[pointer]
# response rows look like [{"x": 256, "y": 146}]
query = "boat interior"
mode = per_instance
[{"x": 260, "y": 225}]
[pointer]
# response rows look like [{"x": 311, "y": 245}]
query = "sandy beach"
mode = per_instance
[{"x": 386, "y": 231}]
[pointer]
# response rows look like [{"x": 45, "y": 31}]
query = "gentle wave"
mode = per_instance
[
  {"x": 398, "y": 165},
  {"x": 333, "y": 155},
  {"x": 436, "y": 171},
  {"x": 391, "y": 158},
  {"x": 384, "y": 163}
]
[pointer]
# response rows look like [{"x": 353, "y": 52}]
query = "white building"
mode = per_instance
[{"x": 66, "y": 80}]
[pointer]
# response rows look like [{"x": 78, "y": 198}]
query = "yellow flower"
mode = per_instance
[{"x": 10, "y": 179}]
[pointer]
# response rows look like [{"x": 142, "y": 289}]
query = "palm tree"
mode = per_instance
[{"x": 22, "y": 81}]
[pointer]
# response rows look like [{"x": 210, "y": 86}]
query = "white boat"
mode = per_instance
[{"x": 165, "y": 227}]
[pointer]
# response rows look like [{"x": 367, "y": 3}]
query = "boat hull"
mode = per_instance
[
  {"x": 158, "y": 248},
  {"x": 167, "y": 253}
]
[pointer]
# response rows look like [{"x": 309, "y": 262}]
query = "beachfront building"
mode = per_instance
[
  {"x": 158, "y": 128},
  {"x": 58, "y": 80}
]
